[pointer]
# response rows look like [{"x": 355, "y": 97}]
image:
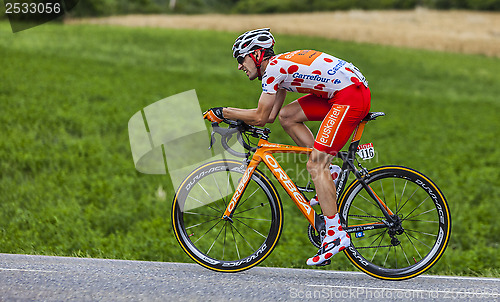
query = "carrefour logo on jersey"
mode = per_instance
[
  {"x": 313, "y": 77},
  {"x": 336, "y": 68}
]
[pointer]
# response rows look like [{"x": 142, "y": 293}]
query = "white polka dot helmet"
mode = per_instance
[{"x": 258, "y": 38}]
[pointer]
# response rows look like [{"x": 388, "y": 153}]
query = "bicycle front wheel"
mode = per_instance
[
  {"x": 418, "y": 238},
  {"x": 230, "y": 245}
]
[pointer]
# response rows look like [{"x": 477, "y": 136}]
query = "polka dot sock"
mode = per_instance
[{"x": 336, "y": 240}]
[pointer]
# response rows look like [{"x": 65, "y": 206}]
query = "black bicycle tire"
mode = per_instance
[
  {"x": 251, "y": 260},
  {"x": 444, "y": 223}
]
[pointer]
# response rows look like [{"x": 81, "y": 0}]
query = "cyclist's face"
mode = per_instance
[{"x": 248, "y": 66}]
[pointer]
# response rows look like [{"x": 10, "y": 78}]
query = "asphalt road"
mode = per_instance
[{"x": 43, "y": 278}]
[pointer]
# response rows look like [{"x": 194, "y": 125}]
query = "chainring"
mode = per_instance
[{"x": 313, "y": 236}]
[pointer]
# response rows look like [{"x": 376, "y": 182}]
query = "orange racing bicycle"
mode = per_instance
[{"x": 227, "y": 215}]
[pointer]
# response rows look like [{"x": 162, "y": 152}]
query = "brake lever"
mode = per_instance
[
  {"x": 226, "y": 134},
  {"x": 212, "y": 136},
  {"x": 212, "y": 140}
]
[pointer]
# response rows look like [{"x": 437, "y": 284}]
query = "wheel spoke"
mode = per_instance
[
  {"x": 373, "y": 235},
  {"x": 395, "y": 194},
  {"x": 418, "y": 240},
  {"x": 193, "y": 226},
  {"x": 382, "y": 238},
  {"x": 251, "y": 228},
  {"x": 420, "y": 220},
  {"x": 379, "y": 235},
  {"x": 200, "y": 214},
  {"x": 380, "y": 220},
  {"x": 388, "y": 252},
  {"x": 401, "y": 198},
  {"x": 223, "y": 227},
  {"x": 224, "y": 244},
  {"x": 213, "y": 200},
  {"x": 250, "y": 209},
  {"x": 218, "y": 188},
  {"x": 396, "y": 257},
  {"x": 434, "y": 235},
  {"x": 365, "y": 219},
  {"x": 402, "y": 249},
  {"x": 369, "y": 201},
  {"x": 229, "y": 184},
  {"x": 433, "y": 209},
  {"x": 408, "y": 200},
  {"x": 413, "y": 245},
  {"x": 207, "y": 231},
  {"x": 235, "y": 244},
  {"x": 232, "y": 225},
  {"x": 252, "y": 218},
  {"x": 204, "y": 204},
  {"x": 239, "y": 205},
  {"x": 383, "y": 193},
  {"x": 358, "y": 218},
  {"x": 416, "y": 208}
]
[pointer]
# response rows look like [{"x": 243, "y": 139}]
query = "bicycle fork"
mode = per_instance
[{"x": 233, "y": 203}]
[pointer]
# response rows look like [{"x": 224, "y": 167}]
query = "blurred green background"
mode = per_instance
[
  {"x": 111, "y": 7},
  {"x": 67, "y": 180},
  {"x": 117, "y": 7}
]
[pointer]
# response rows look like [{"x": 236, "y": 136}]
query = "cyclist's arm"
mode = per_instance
[
  {"x": 266, "y": 111},
  {"x": 278, "y": 103}
]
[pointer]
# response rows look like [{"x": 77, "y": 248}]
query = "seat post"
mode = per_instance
[
  {"x": 361, "y": 126},
  {"x": 358, "y": 132}
]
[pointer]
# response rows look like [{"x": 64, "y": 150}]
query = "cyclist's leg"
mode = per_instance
[
  {"x": 349, "y": 107},
  {"x": 293, "y": 116},
  {"x": 318, "y": 166}
]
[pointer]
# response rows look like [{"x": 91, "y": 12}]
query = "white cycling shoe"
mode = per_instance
[{"x": 336, "y": 240}]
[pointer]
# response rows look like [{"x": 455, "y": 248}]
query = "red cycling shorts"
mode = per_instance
[{"x": 340, "y": 115}]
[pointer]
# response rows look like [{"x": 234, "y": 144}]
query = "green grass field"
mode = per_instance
[{"x": 67, "y": 180}]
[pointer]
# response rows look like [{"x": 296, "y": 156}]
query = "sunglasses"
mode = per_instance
[{"x": 240, "y": 59}]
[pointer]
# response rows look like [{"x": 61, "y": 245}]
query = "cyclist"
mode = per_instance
[{"x": 336, "y": 94}]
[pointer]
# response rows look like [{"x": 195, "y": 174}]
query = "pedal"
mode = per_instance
[{"x": 327, "y": 262}]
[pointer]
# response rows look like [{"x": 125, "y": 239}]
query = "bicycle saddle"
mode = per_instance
[{"x": 373, "y": 115}]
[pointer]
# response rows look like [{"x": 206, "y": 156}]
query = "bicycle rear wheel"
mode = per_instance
[
  {"x": 422, "y": 213},
  {"x": 226, "y": 245}
]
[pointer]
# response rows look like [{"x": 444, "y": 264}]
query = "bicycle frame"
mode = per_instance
[{"x": 264, "y": 154}]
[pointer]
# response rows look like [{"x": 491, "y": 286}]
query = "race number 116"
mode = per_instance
[{"x": 366, "y": 151}]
